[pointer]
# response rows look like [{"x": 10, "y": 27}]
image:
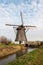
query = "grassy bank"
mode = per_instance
[
  {"x": 33, "y": 58},
  {"x": 6, "y": 50}
]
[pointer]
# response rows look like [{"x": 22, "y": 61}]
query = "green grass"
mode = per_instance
[
  {"x": 4, "y": 46},
  {"x": 33, "y": 58}
]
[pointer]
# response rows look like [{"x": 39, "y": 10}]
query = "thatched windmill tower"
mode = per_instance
[{"x": 21, "y": 34}]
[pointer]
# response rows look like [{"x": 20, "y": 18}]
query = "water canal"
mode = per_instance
[{"x": 14, "y": 56}]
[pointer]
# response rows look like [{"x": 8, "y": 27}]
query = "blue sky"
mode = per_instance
[{"x": 32, "y": 11}]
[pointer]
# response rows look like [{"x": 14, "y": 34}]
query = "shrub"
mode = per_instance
[{"x": 4, "y": 40}]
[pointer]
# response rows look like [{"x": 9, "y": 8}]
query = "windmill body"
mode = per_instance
[{"x": 21, "y": 36}]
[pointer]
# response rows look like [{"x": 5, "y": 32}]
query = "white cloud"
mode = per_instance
[{"x": 32, "y": 14}]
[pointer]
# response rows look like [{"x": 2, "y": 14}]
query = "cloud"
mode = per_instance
[{"x": 32, "y": 11}]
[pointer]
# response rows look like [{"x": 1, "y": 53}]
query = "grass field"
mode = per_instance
[
  {"x": 33, "y": 58},
  {"x": 4, "y": 46}
]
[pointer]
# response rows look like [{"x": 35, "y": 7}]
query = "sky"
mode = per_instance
[{"x": 32, "y": 12}]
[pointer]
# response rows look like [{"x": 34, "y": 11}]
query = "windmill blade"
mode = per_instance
[
  {"x": 11, "y": 25},
  {"x": 14, "y": 29},
  {"x": 29, "y": 26},
  {"x": 21, "y": 17},
  {"x": 27, "y": 30}
]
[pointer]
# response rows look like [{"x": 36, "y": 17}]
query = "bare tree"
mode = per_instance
[{"x": 4, "y": 40}]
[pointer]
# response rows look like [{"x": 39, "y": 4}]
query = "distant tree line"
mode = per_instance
[{"x": 4, "y": 40}]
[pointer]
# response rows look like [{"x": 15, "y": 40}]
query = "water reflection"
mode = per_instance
[
  {"x": 7, "y": 59},
  {"x": 20, "y": 53}
]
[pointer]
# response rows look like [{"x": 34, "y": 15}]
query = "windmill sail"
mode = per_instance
[{"x": 21, "y": 17}]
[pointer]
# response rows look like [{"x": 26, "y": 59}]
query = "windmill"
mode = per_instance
[{"x": 21, "y": 34}]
